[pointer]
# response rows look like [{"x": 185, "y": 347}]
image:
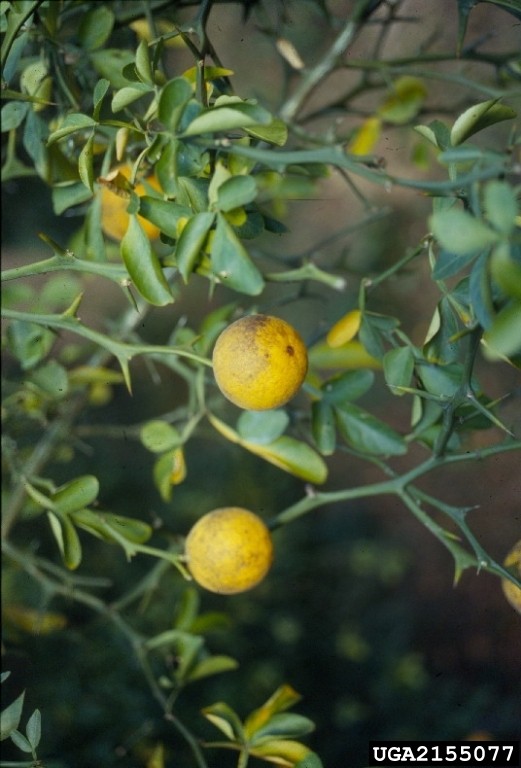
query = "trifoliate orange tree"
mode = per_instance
[{"x": 129, "y": 116}]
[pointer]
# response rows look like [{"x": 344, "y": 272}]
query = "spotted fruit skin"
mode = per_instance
[
  {"x": 260, "y": 362},
  {"x": 229, "y": 550}
]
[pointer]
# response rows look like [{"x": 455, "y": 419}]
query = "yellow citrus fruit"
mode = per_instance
[
  {"x": 259, "y": 362},
  {"x": 513, "y": 563},
  {"x": 229, "y": 550},
  {"x": 114, "y": 216}
]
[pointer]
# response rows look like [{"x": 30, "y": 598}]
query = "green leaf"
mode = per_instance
[
  {"x": 110, "y": 63},
  {"x": 21, "y": 741},
  {"x": 347, "y": 386},
  {"x": 311, "y": 760},
  {"x": 51, "y": 378},
  {"x": 370, "y": 337},
  {"x": 262, "y": 427},
  {"x": 29, "y": 343},
  {"x": 165, "y": 214},
  {"x": 224, "y": 718},
  {"x": 439, "y": 346},
  {"x": 398, "y": 368},
  {"x": 135, "y": 531},
  {"x": 72, "y": 123},
  {"x": 231, "y": 263},
  {"x": 500, "y": 206},
  {"x": 293, "y": 456},
  {"x": 506, "y": 271},
  {"x": 448, "y": 264},
  {"x": 323, "y": 427},
  {"x": 85, "y": 167},
  {"x": 11, "y": 716},
  {"x": 275, "y": 132},
  {"x": 174, "y": 98},
  {"x": 510, "y": 6},
  {"x": 236, "y": 192},
  {"x": 436, "y": 132},
  {"x": 143, "y": 265},
  {"x": 143, "y": 65},
  {"x": 477, "y": 118},
  {"x": 227, "y": 118},
  {"x": 441, "y": 380},
  {"x": 13, "y": 114},
  {"x": 460, "y": 233},
  {"x": 159, "y": 436},
  {"x": 69, "y": 195},
  {"x": 76, "y": 494},
  {"x": 96, "y": 27},
  {"x": 191, "y": 241},
  {"x": 128, "y": 94},
  {"x": 213, "y": 665},
  {"x": 71, "y": 550},
  {"x": 367, "y": 434},
  {"x": 194, "y": 193},
  {"x": 283, "y": 725},
  {"x": 100, "y": 91},
  {"x": 480, "y": 292},
  {"x": 112, "y": 527},
  {"x": 504, "y": 335},
  {"x": 33, "y": 729}
]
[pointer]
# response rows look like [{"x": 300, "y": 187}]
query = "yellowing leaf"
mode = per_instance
[
  {"x": 345, "y": 329},
  {"x": 157, "y": 757},
  {"x": 282, "y": 752},
  {"x": 283, "y": 698},
  {"x": 366, "y": 137},
  {"x": 349, "y": 356},
  {"x": 142, "y": 29},
  {"x": 178, "y": 472},
  {"x": 404, "y": 102},
  {"x": 291, "y": 455},
  {"x": 210, "y": 73},
  {"x": 33, "y": 621}
]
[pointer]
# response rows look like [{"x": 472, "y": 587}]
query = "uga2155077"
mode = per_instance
[{"x": 495, "y": 754}]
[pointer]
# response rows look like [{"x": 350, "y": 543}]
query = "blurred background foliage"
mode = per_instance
[{"x": 359, "y": 613}]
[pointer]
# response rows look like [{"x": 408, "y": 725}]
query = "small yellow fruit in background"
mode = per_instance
[
  {"x": 259, "y": 362},
  {"x": 229, "y": 550},
  {"x": 513, "y": 563},
  {"x": 114, "y": 216}
]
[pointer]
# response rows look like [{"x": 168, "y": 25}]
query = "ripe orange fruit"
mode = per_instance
[
  {"x": 114, "y": 203},
  {"x": 229, "y": 550},
  {"x": 259, "y": 362}
]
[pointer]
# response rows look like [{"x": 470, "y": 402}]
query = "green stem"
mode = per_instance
[
  {"x": 326, "y": 64},
  {"x": 32, "y": 566},
  {"x": 121, "y": 350},
  {"x": 462, "y": 394},
  {"x": 371, "y": 283},
  {"x": 308, "y": 271},
  {"x": 42, "y": 453},
  {"x": 360, "y": 166},
  {"x": 13, "y": 30},
  {"x": 57, "y": 263}
]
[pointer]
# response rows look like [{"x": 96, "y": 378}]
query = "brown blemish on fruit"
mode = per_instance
[{"x": 290, "y": 350}]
